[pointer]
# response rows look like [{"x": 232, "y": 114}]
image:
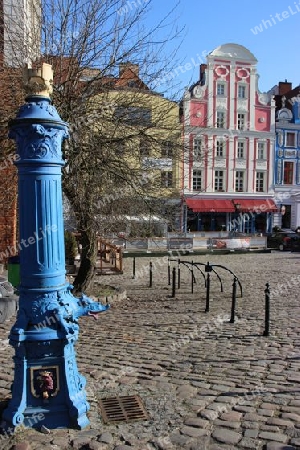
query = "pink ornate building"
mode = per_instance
[{"x": 228, "y": 131}]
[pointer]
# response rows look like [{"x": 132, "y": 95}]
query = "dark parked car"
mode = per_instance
[
  {"x": 283, "y": 240},
  {"x": 296, "y": 244}
]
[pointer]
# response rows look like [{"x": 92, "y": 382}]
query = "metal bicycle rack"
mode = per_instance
[{"x": 208, "y": 268}]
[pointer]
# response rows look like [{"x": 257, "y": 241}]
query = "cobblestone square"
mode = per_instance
[{"x": 206, "y": 383}]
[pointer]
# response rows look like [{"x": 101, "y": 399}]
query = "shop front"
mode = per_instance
[
  {"x": 208, "y": 214},
  {"x": 239, "y": 215}
]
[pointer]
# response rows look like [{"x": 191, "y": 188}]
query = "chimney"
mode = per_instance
[
  {"x": 284, "y": 87},
  {"x": 127, "y": 65},
  {"x": 203, "y": 67}
]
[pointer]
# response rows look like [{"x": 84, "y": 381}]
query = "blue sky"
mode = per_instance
[{"x": 269, "y": 29}]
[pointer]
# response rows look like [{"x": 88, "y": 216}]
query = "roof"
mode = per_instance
[{"x": 235, "y": 51}]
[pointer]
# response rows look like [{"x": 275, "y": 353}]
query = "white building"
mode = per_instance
[{"x": 229, "y": 132}]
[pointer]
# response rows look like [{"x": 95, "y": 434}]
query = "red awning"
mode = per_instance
[
  {"x": 209, "y": 205},
  {"x": 258, "y": 206}
]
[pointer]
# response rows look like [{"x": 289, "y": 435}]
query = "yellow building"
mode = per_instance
[{"x": 138, "y": 132}]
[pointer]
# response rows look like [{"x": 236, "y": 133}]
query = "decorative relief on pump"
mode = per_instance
[
  {"x": 38, "y": 143},
  {"x": 30, "y": 108},
  {"x": 58, "y": 310},
  {"x": 44, "y": 382}
]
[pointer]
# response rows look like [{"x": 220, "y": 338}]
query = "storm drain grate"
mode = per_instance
[{"x": 122, "y": 409}]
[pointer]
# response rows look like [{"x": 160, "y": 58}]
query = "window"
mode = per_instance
[
  {"x": 220, "y": 149},
  {"x": 288, "y": 172},
  {"x": 261, "y": 154},
  {"x": 167, "y": 149},
  {"x": 241, "y": 91},
  {"x": 166, "y": 179},
  {"x": 144, "y": 149},
  {"x": 260, "y": 181},
  {"x": 241, "y": 150},
  {"x": 239, "y": 181},
  {"x": 197, "y": 180},
  {"x": 197, "y": 149},
  {"x": 221, "y": 89},
  {"x": 220, "y": 119},
  {"x": 290, "y": 139},
  {"x": 241, "y": 121},
  {"x": 219, "y": 180},
  {"x": 133, "y": 115}
]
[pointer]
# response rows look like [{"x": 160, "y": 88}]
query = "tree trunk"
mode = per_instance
[{"x": 87, "y": 267}]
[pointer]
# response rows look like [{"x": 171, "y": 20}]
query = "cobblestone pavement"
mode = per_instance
[{"x": 205, "y": 382}]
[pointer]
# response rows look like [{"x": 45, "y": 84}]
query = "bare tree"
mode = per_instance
[
  {"x": 87, "y": 43},
  {"x": 113, "y": 166}
]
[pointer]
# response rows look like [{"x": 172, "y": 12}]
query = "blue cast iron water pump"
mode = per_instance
[{"x": 47, "y": 388}]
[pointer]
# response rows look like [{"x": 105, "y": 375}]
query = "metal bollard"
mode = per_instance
[
  {"x": 150, "y": 273},
  {"x": 208, "y": 269},
  {"x": 173, "y": 282},
  {"x": 193, "y": 279},
  {"x": 178, "y": 273},
  {"x": 169, "y": 272},
  {"x": 207, "y": 292},
  {"x": 133, "y": 267},
  {"x": 233, "y": 300},
  {"x": 267, "y": 310}
]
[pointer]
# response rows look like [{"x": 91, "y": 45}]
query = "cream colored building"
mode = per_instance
[{"x": 143, "y": 129}]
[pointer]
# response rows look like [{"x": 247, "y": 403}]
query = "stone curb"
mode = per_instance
[{"x": 119, "y": 296}]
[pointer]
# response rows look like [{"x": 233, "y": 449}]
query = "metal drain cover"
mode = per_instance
[{"x": 122, "y": 409}]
